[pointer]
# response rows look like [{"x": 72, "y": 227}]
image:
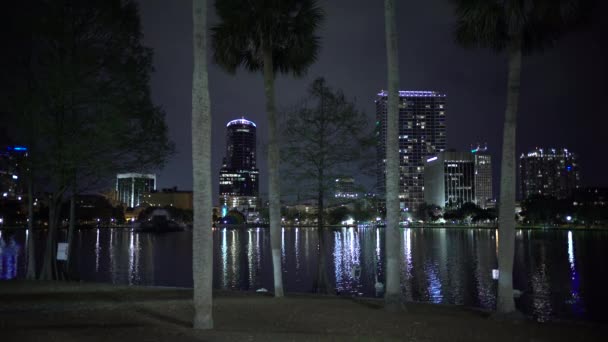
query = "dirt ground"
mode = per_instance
[{"x": 53, "y": 311}]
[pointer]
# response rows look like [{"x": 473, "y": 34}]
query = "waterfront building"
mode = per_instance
[
  {"x": 450, "y": 179},
  {"x": 171, "y": 197},
  {"x": 422, "y": 135},
  {"x": 483, "y": 177},
  {"x": 130, "y": 188},
  {"x": 12, "y": 172},
  {"x": 345, "y": 188},
  {"x": 238, "y": 179},
  {"x": 549, "y": 172}
]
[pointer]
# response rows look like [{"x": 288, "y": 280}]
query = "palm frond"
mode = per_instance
[{"x": 286, "y": 27}]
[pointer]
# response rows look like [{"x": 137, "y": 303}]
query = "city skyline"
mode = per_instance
[{"x": 475, "y": 81}]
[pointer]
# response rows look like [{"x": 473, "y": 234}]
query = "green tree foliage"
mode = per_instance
[
  {"x": 79, "y": 97},
  {"x": 428, "y": 212},
  {"x": 271, "y": 36},
  {"x": 337, "y": 215}
]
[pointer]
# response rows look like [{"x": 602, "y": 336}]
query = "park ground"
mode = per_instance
[{"x": 55, "y": 311}]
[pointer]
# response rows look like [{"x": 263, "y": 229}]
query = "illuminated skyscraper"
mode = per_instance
[
  {"x": 239, "y": 174},
  {"x": 422, "y": 135},
  {"x": 549, "y": 172},
  {"x": 483, "y": 177},
  {"x": 345, "y": 188},
  {"x": 130, "y": 187},
  {"x": 12, "y": 171},
  {"x": 450, "y": 179}
]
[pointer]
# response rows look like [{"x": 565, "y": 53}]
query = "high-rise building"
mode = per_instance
[
  {"x": 449, "y": 179},
  {"x": 422, "y": 135},
  {"x": 483, "y": 177},
  {"x": 549, "y": 172},
  {"x": 12, "y": 172},
  {"x": 345, "y": 188},
  {"x": 239, "y": 174},
  {"x": 130, "y": 187}
]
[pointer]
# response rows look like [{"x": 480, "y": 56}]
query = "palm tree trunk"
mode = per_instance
[
  {"x": 274, "y": 191},
  {"x": 506, "y": 221},
  {"x": 392, "y": 296},
  {"x": 31, "y": 244},
  {"x": 202, "y": 234}
]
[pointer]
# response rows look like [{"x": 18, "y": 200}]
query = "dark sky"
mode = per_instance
[{"x": 564, "y": 90}]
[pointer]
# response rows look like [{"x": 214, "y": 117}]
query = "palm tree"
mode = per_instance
[
  {"x": 202, "y": 247},
  {"x": 517, "y": 27},
  {"x": 269, "y": 36},
  {"x": 392, "y": 296}
]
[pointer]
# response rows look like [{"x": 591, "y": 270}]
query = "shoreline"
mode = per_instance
[
  {"x": 39, "y": 310},
  {"x": 266, "y": 226}
]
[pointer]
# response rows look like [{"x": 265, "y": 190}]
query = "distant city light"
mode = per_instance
[
  {"x": 4, "y": 194},
  {"x": 568, "y": 218},
  {"x": 349, "y": 221},
  {"x": 431, "y": 159},
  {"x": 15, "y": 177}
]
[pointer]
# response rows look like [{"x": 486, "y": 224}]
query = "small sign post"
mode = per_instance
[
  {"x": 62, "y": 251},
  {"x": 495, "y": 274}
]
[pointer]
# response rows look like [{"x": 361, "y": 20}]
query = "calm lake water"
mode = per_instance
[{"x": 562, "y": 274}]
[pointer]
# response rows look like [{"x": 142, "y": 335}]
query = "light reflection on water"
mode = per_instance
[{"x": 437, "y": 265}]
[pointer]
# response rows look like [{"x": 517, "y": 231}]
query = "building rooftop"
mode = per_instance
[
  {"x": 241, "y": 121},
  {"x": 413, "y": 93}
]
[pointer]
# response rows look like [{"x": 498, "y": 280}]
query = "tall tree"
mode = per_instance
[
  {"x": 79, "y": 61},
  {"x": 269, "y": 36},
  {"x": 323, "y": 138},
  {"x": 392, "y": 296},
  {"x": 202, "y": 240},
  {"x": 518, "y": 27}
]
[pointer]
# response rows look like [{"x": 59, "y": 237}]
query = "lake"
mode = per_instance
[{"x": 561, "y": 273}]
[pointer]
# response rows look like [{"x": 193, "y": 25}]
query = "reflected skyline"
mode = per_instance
[{"x": 448, "y": 266}]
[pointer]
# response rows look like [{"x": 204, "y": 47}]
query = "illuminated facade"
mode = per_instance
[
  {"x": 483, "y": 177},
  {"x": 549, "y": 172},
  {"x": 345, "y": 188},
  {"x": 169, "y": 197},
  {"x": 12, "y": 172},
  {"x": 450, "y": 179},
  {"x": 422, "y": 135},
  {"x": 130, "y": 188},
  {"x": 239, "y": 175}
]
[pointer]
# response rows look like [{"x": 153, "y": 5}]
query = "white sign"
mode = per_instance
[
  {"x": 62, "y": 251},
  {"x": 494, "y": 274}
]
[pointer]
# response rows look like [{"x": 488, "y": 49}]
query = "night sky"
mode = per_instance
[{"x": 562, "y": 102}]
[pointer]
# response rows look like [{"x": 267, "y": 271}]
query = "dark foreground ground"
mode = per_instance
[{"x": 45, "y": 311}]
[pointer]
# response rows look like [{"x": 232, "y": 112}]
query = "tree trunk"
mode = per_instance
[
  {"x": 506, "y": 223},
  {"x": 70, "y": 269},
  {"x": 31, "y": 241},
  {"x": 321, "y": 285},
  {"x": 49, "y": 263},
  {"x": 392, "y": 296},
  {"x": 202, "y": 234},
  {"x": 274, "y": 193}
]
